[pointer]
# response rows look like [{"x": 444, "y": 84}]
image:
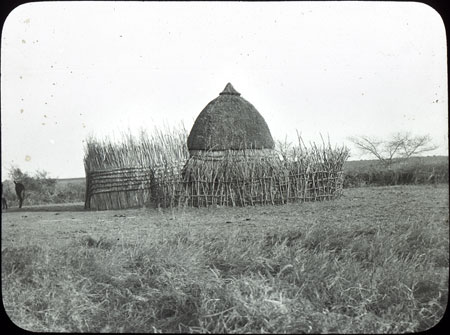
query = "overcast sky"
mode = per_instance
[{"x": 338, "y": 69}]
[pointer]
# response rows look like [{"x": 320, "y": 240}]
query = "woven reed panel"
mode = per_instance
[{"x": 126, "y": 179}]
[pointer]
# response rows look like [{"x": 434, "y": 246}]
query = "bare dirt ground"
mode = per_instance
[{"x": 374, "y": 206}]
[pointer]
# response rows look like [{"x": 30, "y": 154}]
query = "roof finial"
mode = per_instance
[{"x": 229, "y": 89}]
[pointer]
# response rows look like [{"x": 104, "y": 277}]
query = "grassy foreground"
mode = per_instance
[{"x": 374, "y": 261}]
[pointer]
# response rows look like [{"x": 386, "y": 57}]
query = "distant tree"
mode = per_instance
[
  {"x": 43, "y": 179},
  {"x": 38, "y": 182},
  {"x": 399, "y": 147},
  {"x": 16, "y": 174}
]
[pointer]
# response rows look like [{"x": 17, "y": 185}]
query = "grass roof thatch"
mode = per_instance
[{"x": 230, "y": 122}]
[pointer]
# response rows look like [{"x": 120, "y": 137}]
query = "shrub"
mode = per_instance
[{"x": 415, "y": 170}]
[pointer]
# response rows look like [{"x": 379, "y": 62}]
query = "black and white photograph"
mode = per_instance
[{"x": 224, "y": 167}]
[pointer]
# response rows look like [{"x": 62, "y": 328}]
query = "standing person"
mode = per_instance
[
  {"x": 4, "y": 203},
  {"x": 20, "y": 191}
]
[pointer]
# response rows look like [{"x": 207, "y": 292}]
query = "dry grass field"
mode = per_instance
[{"x": 374, "y": 261}]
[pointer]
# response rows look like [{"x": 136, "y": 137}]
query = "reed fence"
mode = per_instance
[
  {"x": 118, "y": 188},
  {"x": 158, "y": 170},
  {"x": 274, "y": 189}
]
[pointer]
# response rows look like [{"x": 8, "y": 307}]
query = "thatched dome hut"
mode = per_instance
[
  {"x": 229, "y": 122},
  {"x": 230, "y": 145}
]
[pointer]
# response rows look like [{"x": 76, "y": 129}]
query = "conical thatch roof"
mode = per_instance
[{"x": 229, "y": 122}]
